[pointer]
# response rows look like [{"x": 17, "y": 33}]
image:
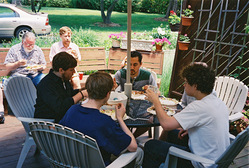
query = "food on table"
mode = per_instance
[
  {"x": 168, "y": 101},
  {"x": 169, "y": 111},
  {"x": 33, "y": 67},
  {"x": 111, "y": 113},
  {"x": 137, "y": 95}
]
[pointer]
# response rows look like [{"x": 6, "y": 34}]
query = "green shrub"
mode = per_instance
[{"x": 59, "y": 3}]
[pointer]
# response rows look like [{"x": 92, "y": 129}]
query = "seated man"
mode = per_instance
[
  {"x": 68, "y": 46},
  {"x": 23, "y": 55},
  {"x": 205, "y": 120},
  {"x": 86, "y": 118},
  {"x": 55, "y": 94},
  {"x": 139, "y": 78}
]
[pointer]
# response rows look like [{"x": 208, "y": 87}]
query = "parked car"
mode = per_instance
[{"x": 14, "y": 22}]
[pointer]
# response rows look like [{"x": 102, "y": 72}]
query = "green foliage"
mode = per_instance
[
  {"x": 187, "y": 13},
  {"x": 161, "y": 32},
  {"x": 247, "y": 29},
  {"x": 173, "y": 18},
  {"x": 184, "y": 38},
  {"x": 59, "y": 3}
]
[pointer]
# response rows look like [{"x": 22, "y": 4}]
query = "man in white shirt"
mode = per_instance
[
  {"x": 204, "y": 120},
  {"x": 66, "y": 45}
]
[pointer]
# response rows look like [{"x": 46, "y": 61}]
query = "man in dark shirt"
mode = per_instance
[{"x": 55, "y": 94}]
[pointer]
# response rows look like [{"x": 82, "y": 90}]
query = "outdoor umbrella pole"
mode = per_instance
[{"x": 128, "y": 85}]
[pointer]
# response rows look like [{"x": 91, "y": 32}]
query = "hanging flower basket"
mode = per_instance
[
  {"x": 116, "y": 43},
  {"x": 187, "y": 21},
  {"x": 183, "y": 45},
  {"x": 174, "y": 27},
  {"x": 159, "y": 47}
]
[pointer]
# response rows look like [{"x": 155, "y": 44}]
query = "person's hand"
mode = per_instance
[
  {"x": 22, "y": 62},
  {"x": 151, "y": 96},
  {"x": 120, "y": 111},
  {"x": 115, "y": 85},
  {"x": 182, "y": 133}
]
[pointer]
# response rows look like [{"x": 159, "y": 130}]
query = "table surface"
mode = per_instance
[{"x": 142, "y": 123}]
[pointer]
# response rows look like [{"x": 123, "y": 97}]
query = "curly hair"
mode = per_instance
[
  {"x": 200, "y": 75},
  {"x": 98, "y": 85},
  {"x": 63, "y": 60}
]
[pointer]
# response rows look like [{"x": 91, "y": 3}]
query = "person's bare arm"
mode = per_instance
[
  {"x": 15, "y": 65},
  {"x": 120, "y": 111},
  {"x": 79, "y": 96},
  {"x": 168, "y": 123}
]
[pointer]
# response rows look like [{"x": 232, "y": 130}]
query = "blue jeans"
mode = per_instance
[
  {"x": 37, "y": 78},
  {"x": 155, "y": 151}
]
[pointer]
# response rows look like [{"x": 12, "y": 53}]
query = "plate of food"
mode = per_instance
[
  {"x": 111, "y": 112},
  {"x": 168, "y": 101},
  {"x": 169, "y": 111},
  {"x": 137, "y": 95},
  {"x": 33, "y": 67}
]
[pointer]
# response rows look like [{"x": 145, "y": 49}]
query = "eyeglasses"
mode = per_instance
[{"x": 28, "y": 45}]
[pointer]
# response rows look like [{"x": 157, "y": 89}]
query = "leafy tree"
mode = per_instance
[{"x": 107, "y": 17}]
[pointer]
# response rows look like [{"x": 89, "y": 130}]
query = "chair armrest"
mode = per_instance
[
  {"x": 188, "y": 156},
  {"x": 235, "y": 116},
  {"x": 28, "y": 120},
  {"x": 123, "y": 160}
]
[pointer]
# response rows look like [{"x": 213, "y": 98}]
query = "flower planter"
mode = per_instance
[
  {"x": 159, "y": 47},
  {"x": 183, "y": 45},
  {"x": 174, "y": 27},
  {"x": 187, "y": 21},
  {"x": 115, "y": 43},
  {"x": 144, "y": 45}
]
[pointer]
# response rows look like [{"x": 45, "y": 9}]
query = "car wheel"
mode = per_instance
[{"x": 21, "y": 31}]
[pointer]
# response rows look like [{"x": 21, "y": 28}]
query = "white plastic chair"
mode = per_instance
[
  {"x": 20, "y": 93},
  {"x": 222, "y": 162},
  {"x": 65, "y": 147},
  {"x": 233, "y": 93}
]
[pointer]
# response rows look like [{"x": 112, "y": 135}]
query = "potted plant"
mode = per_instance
[
  {"x": 159, "y": 43},
  {"x": 160, "y": 32},
  {"x": 174, "y": 21},
  {"x": 116, "y": 39},
  {"x": 183, "y": 42},
  {"x": 187, "y": 16}
]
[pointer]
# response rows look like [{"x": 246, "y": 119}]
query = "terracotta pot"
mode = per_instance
[
  {"x": 159, "y": 47},
  {"x": 174, "y": 27},
  {"x": 115, "y": 43},
  {"x": 187, "y": 21},
  {"x": 183, "y": 45}
]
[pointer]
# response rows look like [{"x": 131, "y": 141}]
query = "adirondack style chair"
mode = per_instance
[
  {"x": 20, "y": 93},
  {"x": 222, "y": 162},
  {"x": 233, "y": 93},
  {"x": 65, "y": 147}
]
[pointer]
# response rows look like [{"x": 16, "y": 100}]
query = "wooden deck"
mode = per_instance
[{"x": 12, "y": 137}]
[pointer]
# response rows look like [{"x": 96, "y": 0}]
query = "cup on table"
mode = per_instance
[
  {"x": 80, "y": 75},
  {"x": 153, "y": 88}
]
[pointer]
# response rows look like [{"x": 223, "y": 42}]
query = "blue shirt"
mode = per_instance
[{"x": 110, "y": 137}]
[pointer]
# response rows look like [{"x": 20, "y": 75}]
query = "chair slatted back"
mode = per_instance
[
  {"x": 65, "y": 147},
  {"x": 20, "y": 93},
  {"x": 232, "y": 92},
  {"x": 234, "y": 149}
]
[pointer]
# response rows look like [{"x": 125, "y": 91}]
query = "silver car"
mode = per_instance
[{"x": 14, "y": 22}]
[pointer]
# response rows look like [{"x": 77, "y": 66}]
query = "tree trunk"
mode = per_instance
[
  {"x": 17, "y": 2},
  {"x": 107, "y": 18},
  {"x": 173, "y": 5},
  {"x": 33, "y": 6}
]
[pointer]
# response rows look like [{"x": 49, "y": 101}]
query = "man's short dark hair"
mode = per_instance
[
  {"x": 137, "y": 54},
  {"x": 63, "y": 60},
  {"x": 200, "y": 75},
  {"x": 98, "y": 85}
]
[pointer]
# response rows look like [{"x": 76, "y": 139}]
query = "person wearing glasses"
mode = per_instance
[{"x": 26, "y": 59}]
